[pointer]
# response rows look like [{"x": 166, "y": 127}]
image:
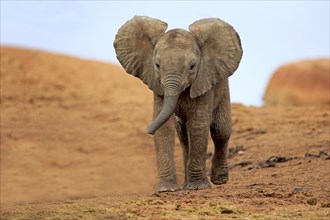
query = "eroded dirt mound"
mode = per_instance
[
  {"x": 300, "y": 83},
  {"x": 73, "y": 129}
]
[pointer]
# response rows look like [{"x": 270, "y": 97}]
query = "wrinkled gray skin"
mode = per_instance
[{"x": 188, "y": 72}]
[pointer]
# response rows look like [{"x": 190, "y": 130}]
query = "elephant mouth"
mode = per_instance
[{"x": 184, "y": 87}]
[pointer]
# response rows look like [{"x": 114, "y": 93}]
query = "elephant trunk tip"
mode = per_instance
[
  {"x": 165, "y": 113},
  {"x": 151, "y": 130}
]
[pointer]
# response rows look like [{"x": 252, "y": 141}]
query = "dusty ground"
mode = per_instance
[{"x": 74, "y": 146}]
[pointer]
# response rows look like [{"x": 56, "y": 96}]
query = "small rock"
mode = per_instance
[
  {"x": 298, "y": 190},
  {"x": 326, "y": 204},
  {"x": 322, "y": 154},
  {"x": 227, "y": 211},
  {"x": 241, "y": 164},
  {"x": 261, "y": 132},
  {"x": 234, "y": 150},
  {"x": 272, "y": 161},
  {"x": 312, "y": 201},
  {"x": 240, "y": 152},
  {"x": 310, "y": 155}
]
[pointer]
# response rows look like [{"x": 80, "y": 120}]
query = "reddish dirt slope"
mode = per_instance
[
  {"x": 73, "y": 144},
  {"x": 69, "y": 127},
  {"x": 300, "y": 83}
]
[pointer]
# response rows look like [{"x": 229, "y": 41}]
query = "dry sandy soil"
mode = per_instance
[{"x": 74, "y": 146}]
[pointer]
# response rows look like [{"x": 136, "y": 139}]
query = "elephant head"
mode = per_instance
[{"x": 169, "y": 62}]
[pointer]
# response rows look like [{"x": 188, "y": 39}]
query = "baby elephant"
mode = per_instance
[{"x": 188, "y": 72}]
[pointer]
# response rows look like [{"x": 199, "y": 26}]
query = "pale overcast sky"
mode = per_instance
[{"x": 272, "y": 32}]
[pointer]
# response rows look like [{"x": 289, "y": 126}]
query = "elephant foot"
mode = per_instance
[
  {"x": 167, "y": 186},
  {"x": 219, "y": 176},
  {"x": 199, "y": 184}
]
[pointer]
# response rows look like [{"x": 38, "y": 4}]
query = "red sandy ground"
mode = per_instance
[{"x": 74, "y": 146}]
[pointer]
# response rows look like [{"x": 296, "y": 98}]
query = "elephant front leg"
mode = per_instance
[
  {"x": 164, "y": 140},
  {"x": 196, "y": 165}
]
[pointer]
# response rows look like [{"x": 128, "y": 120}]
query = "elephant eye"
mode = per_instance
[{"x": 192, "y": 66}]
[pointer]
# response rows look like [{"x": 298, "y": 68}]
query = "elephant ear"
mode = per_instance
[
  {"x": 134, "y": 45},
  {"x": 221, "y": 53}
]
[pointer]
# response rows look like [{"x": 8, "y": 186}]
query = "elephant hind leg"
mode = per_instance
[
  {"x": 220, "y": 133},
  {"x": 181, "y": 129}
]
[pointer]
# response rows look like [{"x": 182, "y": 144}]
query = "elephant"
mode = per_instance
[{"x": 188, "y": 73}]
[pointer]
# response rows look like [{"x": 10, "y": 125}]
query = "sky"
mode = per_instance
[{"x": 273, "y": 33}]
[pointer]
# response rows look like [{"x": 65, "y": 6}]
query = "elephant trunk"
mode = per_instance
[{"x": 172, "y": 86}]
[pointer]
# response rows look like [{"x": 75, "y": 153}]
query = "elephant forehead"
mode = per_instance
[
  {"x": 175, "y": 57},
  {"x": 177, "y": 38}
]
